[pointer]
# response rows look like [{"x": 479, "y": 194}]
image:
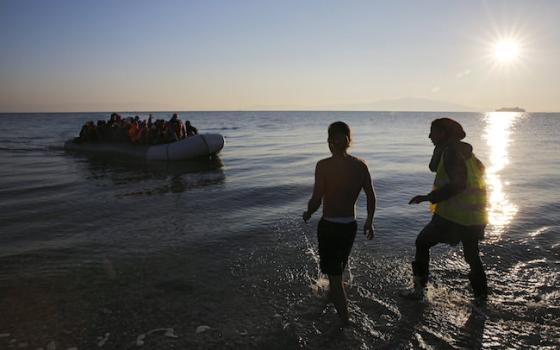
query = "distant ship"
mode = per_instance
[{"x": 509, "y": 109}]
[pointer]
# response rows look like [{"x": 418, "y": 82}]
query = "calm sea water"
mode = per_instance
[{"x": 98, "y": 252}]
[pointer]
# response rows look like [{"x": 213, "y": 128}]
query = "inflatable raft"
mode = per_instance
[{"x": 197, "y": 146}]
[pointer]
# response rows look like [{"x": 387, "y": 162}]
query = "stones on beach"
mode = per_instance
[
  {"x": 202, "y": 329},
  {"x": 167, "y": 332},
  {"x": 140, "y": 339},
  {"x": 51, "y": 345},
  {"x": 23, "y": 345},
  {"x": 170, "y": 333},
  {"x": 103, "y": 340},
  {"x": 242, "y": 332}
]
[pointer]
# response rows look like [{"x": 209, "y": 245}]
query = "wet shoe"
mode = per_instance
[
  {"x": 420, "y": 282},
  {"x": 480, "y": 299},
  {"x": 478, "y": 307}
]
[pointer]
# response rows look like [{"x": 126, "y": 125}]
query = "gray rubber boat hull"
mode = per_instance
[{"x": 192, "y": 147}]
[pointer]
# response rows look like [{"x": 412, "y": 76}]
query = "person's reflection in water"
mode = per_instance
[
  {"x": 458, "y": 204},
  {"x": 471, "y": 335},
  {"x": 411, "y": 319}
]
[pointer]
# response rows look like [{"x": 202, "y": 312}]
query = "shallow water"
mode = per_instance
[{"x": 90, "y": 246}]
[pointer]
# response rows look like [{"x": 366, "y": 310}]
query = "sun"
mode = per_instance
[{"x": 506, "y": 51}]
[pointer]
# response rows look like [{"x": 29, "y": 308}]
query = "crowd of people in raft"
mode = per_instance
[{"x": 136, "y": 131}]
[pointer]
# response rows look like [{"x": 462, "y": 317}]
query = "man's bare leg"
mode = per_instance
[{"x": 338, "y": 297}]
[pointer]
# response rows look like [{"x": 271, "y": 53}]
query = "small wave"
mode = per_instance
[
  {"x": 55, "y": 148},
  {"x": 229, "y": 128},
  {"x": 24, "y": 149}
]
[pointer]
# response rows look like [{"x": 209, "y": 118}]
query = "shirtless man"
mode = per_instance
[{"x": 339, "y": 180}]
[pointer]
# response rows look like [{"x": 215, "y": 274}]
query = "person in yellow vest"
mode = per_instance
[{"x": 458, "y": 203}]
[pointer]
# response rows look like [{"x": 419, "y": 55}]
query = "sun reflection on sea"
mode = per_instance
[{"x": 497, "y": 134}]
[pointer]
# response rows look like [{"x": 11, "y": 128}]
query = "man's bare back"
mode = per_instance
[{"x": 340, "y": 179}]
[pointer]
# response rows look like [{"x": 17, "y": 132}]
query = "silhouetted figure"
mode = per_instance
[
  {"x": 135, "y": 131},
  {"x": 101, "y": 130},
  {"x": 458, "y": 204},
  {"x": 338, "y": 182},
  {"x": 178, "y": 127},
  {"x": 190, "y": 130},
  {"x": 88, "y": 132}
]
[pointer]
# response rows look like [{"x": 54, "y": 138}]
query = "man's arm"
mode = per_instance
[
  {"x": 371, "y": 201},
  {"x": 318, "y": 192}
]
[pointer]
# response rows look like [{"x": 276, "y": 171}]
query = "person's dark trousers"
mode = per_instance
[{"x": 440, "y": 230}]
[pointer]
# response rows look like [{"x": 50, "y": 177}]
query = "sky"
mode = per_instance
[{"x": 71, "y": 56}]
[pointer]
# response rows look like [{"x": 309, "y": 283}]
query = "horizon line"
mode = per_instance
[{"x": 264, "y": 110}]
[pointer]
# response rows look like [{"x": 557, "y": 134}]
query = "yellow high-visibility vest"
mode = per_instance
[{"x": 468, "y": 207}]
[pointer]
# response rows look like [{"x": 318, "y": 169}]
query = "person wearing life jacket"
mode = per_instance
[
  {"x": 458, "y": 204},
  {"x": 83, "y": 133},
  {"x": 178, "y": 127},
  {"x": 191, "y": 130},
  {"x": 88, "y": 132},
  {"x": 133, "y": 131}
]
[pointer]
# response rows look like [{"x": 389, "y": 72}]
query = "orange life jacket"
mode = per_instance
[{"x": 133, "y": 130}]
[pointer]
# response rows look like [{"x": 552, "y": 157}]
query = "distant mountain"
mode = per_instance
[
  {"x": 418, "y": 104},
  {"x": 404, "y": 104}
]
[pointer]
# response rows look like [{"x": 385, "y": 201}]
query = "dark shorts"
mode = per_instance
[{"x": 335, "y": 244}]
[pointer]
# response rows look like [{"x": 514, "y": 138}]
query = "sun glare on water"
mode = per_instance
[{"x": 498, "y": 135}]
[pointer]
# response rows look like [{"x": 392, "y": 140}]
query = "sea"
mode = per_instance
[{"x": 112, "y": 253}]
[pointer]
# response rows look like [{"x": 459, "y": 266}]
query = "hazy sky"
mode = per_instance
[{"x": 260, "y": 55}]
